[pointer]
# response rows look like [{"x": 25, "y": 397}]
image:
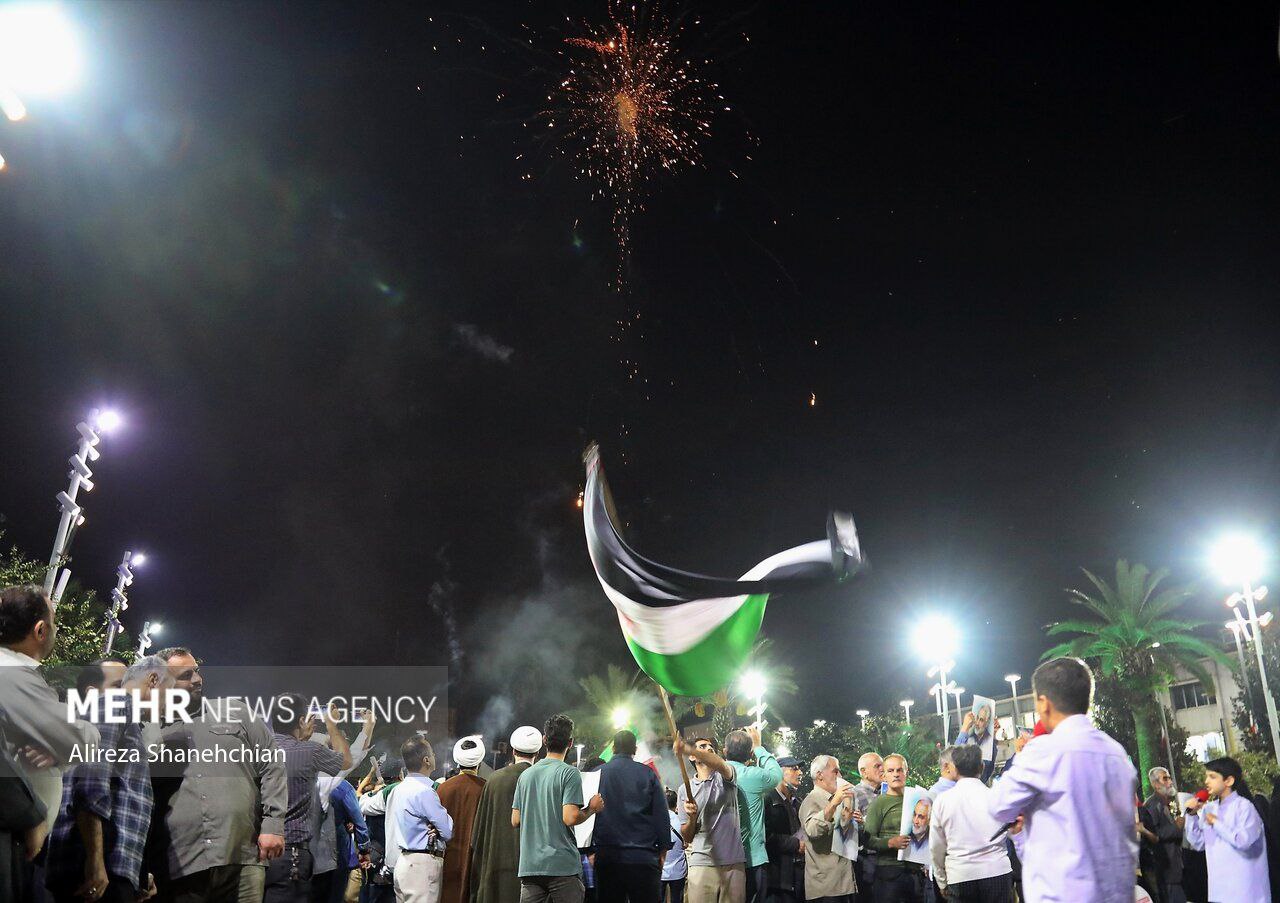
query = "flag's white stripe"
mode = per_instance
[{"x": 673, "y": 629}]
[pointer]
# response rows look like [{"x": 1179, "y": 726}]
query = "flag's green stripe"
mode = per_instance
[{"x": 714, "y": 662}]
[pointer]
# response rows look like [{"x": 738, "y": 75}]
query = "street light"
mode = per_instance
[
  {"x": 80, "y": 476},
  {"x": 119, "y": 601},
  {"x": 1238, "y": 626},
  {"x": 620, "y": 717},
  {"x": 936, "y": 640},
  {"x": 1239, "y": 559},
  {"x": 1013, "y": 685},
  {"x": 149, "y": 629},
  {"x": 906, "y": 707},
  {"x": 753, "y": 685},
  {"x": 957, "y": 692},
  {"x": 39, "y": 55},
  {"x": 862, "y": 714}
]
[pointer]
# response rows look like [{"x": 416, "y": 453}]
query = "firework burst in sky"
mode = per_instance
[{"x": 634, "y": 108}]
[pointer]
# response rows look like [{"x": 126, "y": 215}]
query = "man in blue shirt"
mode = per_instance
[
  {"x": 425, "y": 827},
  {"x": 633, "y": 834}
]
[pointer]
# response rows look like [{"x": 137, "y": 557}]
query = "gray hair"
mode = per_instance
[
  {"x": 946, "y": 757},
  {"x": 820, "y": 764},
  {"x": 149, "y": 664},
  {"x": 1154, "y": 773},
  {"x": 866, "y": 758}
]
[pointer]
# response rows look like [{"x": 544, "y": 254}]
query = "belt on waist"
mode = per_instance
[{"x": 437, "y": 853}]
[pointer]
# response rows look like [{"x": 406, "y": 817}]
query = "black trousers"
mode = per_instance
[
  {"x": 757, "y": 883},
  {"x": 289, "y": 876},
  {"x": 118, "y": 891},
  {"x": 673, "y": 891},
  {"x": 898, "y": 886},
  {"x": 982, "y": 890},
  {"x": 624, "y": 882}
]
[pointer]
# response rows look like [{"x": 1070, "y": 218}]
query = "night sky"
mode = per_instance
[{"x": 360, "y": 355}]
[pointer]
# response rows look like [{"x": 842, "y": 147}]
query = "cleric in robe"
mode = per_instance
[
  {"x": 460, "y": 795},
  {"x": 495, "y": 845}
]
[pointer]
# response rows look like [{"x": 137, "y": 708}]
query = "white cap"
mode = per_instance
[
  {"x": 469, "y": 751},
  {"x": 527, "y": 740}
]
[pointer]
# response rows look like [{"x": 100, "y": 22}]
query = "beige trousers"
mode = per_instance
[
  {"x": 716, "y": 884},
  {"x": 418, "y": 877}
]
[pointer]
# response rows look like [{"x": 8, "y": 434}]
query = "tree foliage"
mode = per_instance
[
  {"x": 1136, "y": 639},
  {"x": 81, "y": 616}
]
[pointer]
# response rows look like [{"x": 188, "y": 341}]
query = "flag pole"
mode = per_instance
[{"x": 675, "y": 735}]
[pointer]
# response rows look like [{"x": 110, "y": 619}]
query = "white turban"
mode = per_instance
[
  {"x": 526, "y": 740},
  {"x": 469, "y": 751}
]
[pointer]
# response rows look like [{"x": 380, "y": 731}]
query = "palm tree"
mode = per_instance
[
  {"x": 1137, "y": 639},
  {"x": 727, "y": 702},
  {"x": 617, "y": 688}
]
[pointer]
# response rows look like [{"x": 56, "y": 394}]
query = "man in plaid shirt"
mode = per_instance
[{"x": 96, "y": 847}]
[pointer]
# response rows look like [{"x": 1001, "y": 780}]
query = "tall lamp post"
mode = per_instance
[
  {"x": 862, "y": 714},
  {"x": 906, "y": 707},
  {"x": 1238, "y": 626},
  {"x": 753, "y": 686},
  {"x": 935, "y": 641},
  {"x": 957, "y": 692},
  {"x": 1239, "y": 559},
  {"x": 1013, "y": 686},
  {"x": 144, "y": 639},
  {"x": 119, "y": 601},
  {"x": 80, "y": 475}
]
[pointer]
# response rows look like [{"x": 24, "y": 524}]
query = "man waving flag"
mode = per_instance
[{"x": 689, "y": 632}]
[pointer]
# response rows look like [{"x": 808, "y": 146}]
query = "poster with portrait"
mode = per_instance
[
  {"x": 844, "y": 830},
  {"x": 983, "y": 732},
  {"x": 917, "y": 807},
  {"x": 584, "y": 832}
]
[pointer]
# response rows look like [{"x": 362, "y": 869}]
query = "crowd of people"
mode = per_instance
[{"x": 1059, "y": 822}]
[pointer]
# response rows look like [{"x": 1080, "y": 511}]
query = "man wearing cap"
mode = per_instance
[
  {"x": 460, "y": 796},
  {"x": 783, "y": 838},
  {"x": 495, "y": 845}
]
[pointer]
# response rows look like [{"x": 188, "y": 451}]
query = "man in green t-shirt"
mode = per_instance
[
  {"x": 546, "y": 808},
  {"x": 753, "y": 782},
  {"x": 895, "y": 879}
]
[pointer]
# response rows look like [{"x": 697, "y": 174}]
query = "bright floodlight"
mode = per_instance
[
  {"x": 936, "y": 638},
  {"x": 1237, "y": 559},
  {"x": 109, "y": 420},
  {"x": 620, "y": 718},
  {"x": 753, "y": 684},
  {"x": 863, "y": 713},
  {"x": 39, "y": 49},
  {"x": 1013, "y": 678},
  {"x": 137, "y": 559}
]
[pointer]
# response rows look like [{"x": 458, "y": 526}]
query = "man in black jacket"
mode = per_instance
[
  {"x": 1168, "y": 831},
  {"x": 782, "y": 838},
  {"x": 21, "y": 826}
]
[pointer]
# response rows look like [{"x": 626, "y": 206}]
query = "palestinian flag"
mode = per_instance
[{"x": 692, "y": 633}]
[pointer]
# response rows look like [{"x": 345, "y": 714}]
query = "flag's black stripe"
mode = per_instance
[{"x": 649, "y": 583}]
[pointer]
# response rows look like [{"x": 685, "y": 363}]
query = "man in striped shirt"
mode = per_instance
[{"x": 289, "y": 877}]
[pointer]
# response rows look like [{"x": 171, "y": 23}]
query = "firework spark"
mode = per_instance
[{"x": 635, "y": 108}]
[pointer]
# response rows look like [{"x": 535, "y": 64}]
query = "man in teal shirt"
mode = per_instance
[
  {"x": 753, "y": 782},
  {"x": 547, "y": 807}
]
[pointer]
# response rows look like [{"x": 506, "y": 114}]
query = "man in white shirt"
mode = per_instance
[
  {"x": 968, "y": 864},
  {"x": 1075, "y": 787}
]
